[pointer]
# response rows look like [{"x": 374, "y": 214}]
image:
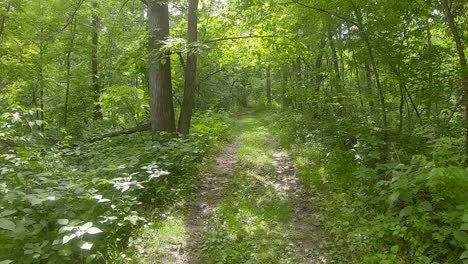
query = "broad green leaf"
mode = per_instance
[
  {"x": 464, "y": 226},
  {"x": 395, "y": 249},
  {"x": 7, "y": 224},
  {"x": 7, "y": 261},
  {"x": 426, "y": 206},
  {"x": 393, "y": 198},
  {"x": 406, "y": 211},
  {"x": 93, "y": 230},
  {"x": 86, "y": 226},
  {"x": 63, "y": 221},
  {"x": 464, "y": 255},
  {"x": 67, "y": 238},
  {"x": 86, "y": 245},
  {"x": 460, "y": 236},
  {"x": 7, "y": 213}
]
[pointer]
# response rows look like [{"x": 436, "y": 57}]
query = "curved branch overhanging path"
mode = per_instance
[{"x": 251, "y": 208}]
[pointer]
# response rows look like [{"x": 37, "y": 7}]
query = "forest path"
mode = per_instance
[
  {"x": 263, "y": 215},
  {"x": 250, "y": 208}
]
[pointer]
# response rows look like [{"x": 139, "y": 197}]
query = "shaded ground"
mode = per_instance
[{"x": 250, "y": 208}]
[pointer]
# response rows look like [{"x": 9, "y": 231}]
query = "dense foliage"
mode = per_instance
[
  {"x": 374, "y": 99},
  {"x": 78, "y": 202},
  {"x": 412, "y": 209}
]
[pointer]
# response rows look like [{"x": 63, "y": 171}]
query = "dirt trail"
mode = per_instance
[
  {"x": 203, "y": 205},
  {"x": 305, "y": 233}
]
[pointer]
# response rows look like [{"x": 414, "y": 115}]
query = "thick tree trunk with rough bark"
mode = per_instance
[
  {"x": 190, "y": 71},
  {"x": 160, "y": 82}
]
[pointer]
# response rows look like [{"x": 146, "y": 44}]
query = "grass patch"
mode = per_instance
[{"x": 252, "y": 221}]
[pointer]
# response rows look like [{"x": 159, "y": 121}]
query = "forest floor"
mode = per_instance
[{"x": 250, "y": 208}]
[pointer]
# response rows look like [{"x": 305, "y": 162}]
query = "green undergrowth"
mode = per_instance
[
  {"x": 411, "y": 209},
  {"x": 81, "y": 202},
  {"x": 251, "y": 223}
]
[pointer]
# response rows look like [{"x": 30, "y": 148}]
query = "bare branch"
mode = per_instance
[
  {"x": 242, "y": 37},
  {"x": 455, "y": 107},
  {"x": 70, "y": 19},
  {"x": 333, "y": 14}
]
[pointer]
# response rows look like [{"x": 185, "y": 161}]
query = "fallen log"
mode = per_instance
[{"x": 131, "y": 130}]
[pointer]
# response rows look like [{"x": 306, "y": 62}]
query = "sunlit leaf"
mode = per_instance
[
  {"x": 7, "y": 224},
  {"x": 93, "y": 230},
  {"x": 67, "y": 238},
  {"x": 63, "y": 221},
  {"x": 86, "y": 245}
]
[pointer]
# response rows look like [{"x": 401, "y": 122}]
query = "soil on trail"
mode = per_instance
[
  {"x": 200, "y": 209},
  {"x": 209, "y": 193},
  {"x": 250, "y": 207},
  {"x": 304, "y": 228}
]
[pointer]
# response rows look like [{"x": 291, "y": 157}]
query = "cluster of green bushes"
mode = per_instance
[
  {"x": 74, "y": 202},
  {"x": 410, "y": 208}
]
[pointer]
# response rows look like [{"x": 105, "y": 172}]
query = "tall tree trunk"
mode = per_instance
[
  {"x": 3, "y": 20},
  {"x": 285, "y": 96},
  {"x": 160, "y": 81},
  {"x": 318, "y": 64},
  {"x": 431, "y": 70},
  {"x": 375, "y": 70},
  {"x": 41, "y": 81},
  {"x": 370, "y": 92},
  {"x": 268, "y": 84},
  {"x": 336, "y": 80},
  {"x": 462, "y": 59},
  {"x": 190, "y": 71},
  {"x": 68, "y": 62},
  {"x": 95, "y": 65}
]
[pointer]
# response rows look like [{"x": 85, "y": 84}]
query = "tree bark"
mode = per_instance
[
  {"x": 132, "y": 130},
  {"x": 68, "y": 62},
  {"x": 318, "y": 64},
  {"x": 375, "y": 70},
  {"x": 2, "y": 23},
  {"x": 95, "y": 65},
  {"x": 336, "y": 81},
  {"x": 160, "y": 81},
  {"x": 268, "y": 84},
  {"x": 462, "y": 59},
  {"x": 190, "y": 71}
]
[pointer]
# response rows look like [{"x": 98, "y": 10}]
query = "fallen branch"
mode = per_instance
[{"x": 132, "y": 130}]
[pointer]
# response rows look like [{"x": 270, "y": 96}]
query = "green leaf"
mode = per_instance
[
  {"x": 406, "y": 211},
  {"x": 86, "y": 226},
  {"x": 63, "y": 221},
  {"x": 93, "y": 230},
  {"x": 7, "y": 213},
  {"x": 7, "y": 261},
  {"x": 460, "y": 236},
  {"x": 464, "y": 226},
  {"x": 7, "y": 224},
  {"x": 393, "y": 198},
  {"x": 464, "y": 255},
  {"x": 86, "y": 245},
  {"x": 395, "y": 249},
  {"x": 426, "y": 206},
  {"x": 67, "y": 238}
]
